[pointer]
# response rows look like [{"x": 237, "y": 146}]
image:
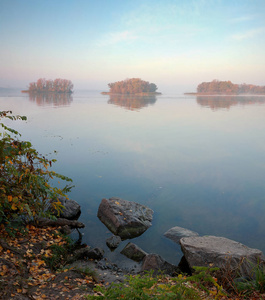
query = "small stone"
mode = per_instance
[
  {"x": 133, "y": 252},
  {"x": 113, "y": 242},
  {"x": 95, "y": 253},
  {"x": 156, "y": 263}
]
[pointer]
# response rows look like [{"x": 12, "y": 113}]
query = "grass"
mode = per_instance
[
  {"x": 248, "y": 287},
  {"x": 139, "y": 287},
  {"x": 201, "y": 285}
]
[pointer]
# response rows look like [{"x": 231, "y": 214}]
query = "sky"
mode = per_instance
[{"x": 175, "y": 44}]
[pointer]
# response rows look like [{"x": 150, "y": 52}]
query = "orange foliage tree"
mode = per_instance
[
  {"x": 132, "y": 86},
  {"x": 56, "y": 86},
  {"x": 229, "y": 88}
]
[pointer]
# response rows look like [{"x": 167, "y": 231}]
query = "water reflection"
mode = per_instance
[
  {"x": 225, "y": 102},
  {"x": 132, "y": 102},
  {"x": 54, "y": 99}
]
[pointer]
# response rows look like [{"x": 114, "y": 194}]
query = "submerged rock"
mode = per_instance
[
  {"x": 222, "y": 253},
  {"x": 124, "y": 218},
  {"x": 176, "y": 233}
]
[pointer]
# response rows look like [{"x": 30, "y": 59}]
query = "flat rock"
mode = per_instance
[
  {"x": 222, "y": 253},
  {"x": 176, "y": 233},
  {"x": 124, "y": 218},
  {"x": 133, "y": 252}
]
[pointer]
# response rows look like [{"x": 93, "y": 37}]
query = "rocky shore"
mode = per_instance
[
  {"x": 28, "y": 266},
  {"x": 127, "y": 219}
]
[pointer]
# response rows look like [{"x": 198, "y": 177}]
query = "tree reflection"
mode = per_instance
[
  {"x": 132, "y": 102},
  {"x": 55, "y": 99},
  {"x": 225, "y": 102}
]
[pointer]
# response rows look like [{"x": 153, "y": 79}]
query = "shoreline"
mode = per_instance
[
  {"x": 45, "y": 92},
  {"x": 33, "y": 258}
]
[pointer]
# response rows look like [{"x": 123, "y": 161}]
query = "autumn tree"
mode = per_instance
[
  {"x": 55, "y": 86},
  {"x": 132, "y": 86},
  {"x": 228, "y": 88}
]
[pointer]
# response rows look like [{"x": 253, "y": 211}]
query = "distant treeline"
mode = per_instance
[
  {"x": 229, "y": 88},
  {"x": 132, "y": 86},
  {"x": 55, "y": 86}
]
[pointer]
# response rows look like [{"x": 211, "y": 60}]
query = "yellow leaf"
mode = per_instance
[
  {"x": 20, "y": 178},
  {"x": 9, "y": 198},
  {"x": 13, "y": 207},
  {"x": 41, "y": 262},
  {"x": 11, "y": 162}
]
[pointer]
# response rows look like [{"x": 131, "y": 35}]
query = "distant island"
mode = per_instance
[
  {"x": 58, "y": 86},
  {"x": 217, "y": 87},
  {"x": 132, "y": 86}
]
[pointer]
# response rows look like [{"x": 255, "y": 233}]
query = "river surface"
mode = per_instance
[{"x": 198, "y": 162}]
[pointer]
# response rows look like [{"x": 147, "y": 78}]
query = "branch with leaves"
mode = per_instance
[{"x": 25, "y": 189}]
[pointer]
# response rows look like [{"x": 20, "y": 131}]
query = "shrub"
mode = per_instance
[{"x": 25, "y": 191}]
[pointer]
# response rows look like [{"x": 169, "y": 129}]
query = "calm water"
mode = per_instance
[{"x": 198, "y": 162}]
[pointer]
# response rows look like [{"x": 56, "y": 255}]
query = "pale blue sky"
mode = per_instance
[{"x": 174, "y": 43}]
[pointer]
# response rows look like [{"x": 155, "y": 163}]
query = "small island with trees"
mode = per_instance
[
  {"x": 132, "y": 86},
  {"x": 217, "y": 87},
  {"x": 57, "y": 86}
]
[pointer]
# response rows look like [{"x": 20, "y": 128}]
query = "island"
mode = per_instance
[
  {"x": 132, "y": 86},
  {"x": 58, "y": 86},
  {"x": 217, "y": 87}
]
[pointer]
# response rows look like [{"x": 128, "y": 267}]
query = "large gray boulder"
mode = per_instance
[
  {"x": 124, "y": 218},
  {"x": 222, "y": 253},
  {"x": 176, "y": 233}
]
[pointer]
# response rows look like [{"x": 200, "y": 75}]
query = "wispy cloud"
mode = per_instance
[
  {"x": 242, "y": 19},
  {"x": 117, "y": 37},
  {"x": 249, "y": 34}
]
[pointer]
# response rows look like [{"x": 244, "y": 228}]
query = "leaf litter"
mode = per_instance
[{"x": 24, "y": 273}]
